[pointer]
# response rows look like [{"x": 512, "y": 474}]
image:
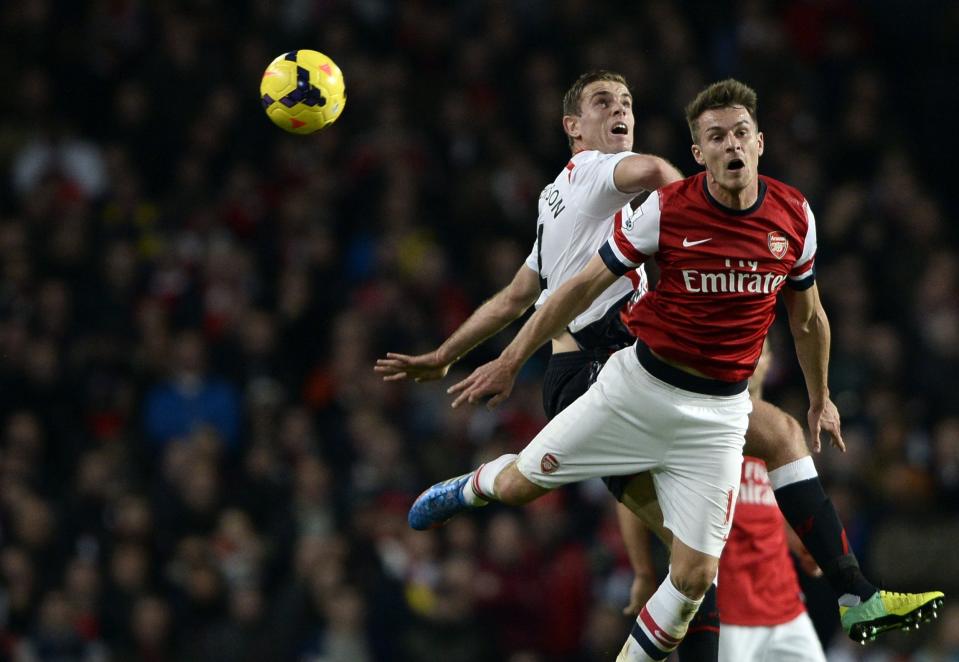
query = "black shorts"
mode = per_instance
[
  {"x": 567, "y": 377},
  {"x": 569, "y": 374}
]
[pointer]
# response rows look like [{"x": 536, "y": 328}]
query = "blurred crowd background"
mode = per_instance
[{"x": 197, "y": 461}]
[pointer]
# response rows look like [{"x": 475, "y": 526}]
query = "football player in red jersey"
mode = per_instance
[
  {"x": 760, "y": 602},
  {"x": 725, "y": 248}
]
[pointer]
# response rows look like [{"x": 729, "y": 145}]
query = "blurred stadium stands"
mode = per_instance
[{"x": 196, "y": 458}]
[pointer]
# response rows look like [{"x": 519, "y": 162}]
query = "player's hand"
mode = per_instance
[
  {"x": 806, "y": 562},
  {"x": 644, "y": 585},
  {"x": 421, "y": 368},
  {"x": 825, "y": 418},
  {"x": 493, "y": 380}
]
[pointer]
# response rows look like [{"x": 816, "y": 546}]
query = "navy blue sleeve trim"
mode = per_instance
[
  {"x": 611, "y": 261},
  {"x": 804, "y": 284}
]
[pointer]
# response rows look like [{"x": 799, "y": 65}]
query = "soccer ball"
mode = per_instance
[{"x": 303, "y": 91}]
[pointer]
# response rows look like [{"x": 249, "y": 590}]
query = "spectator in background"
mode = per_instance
[
  {"x": 56, "y": 636},
  {"x": 128, "y": 578},
  {"x": 20, "y": 591},
  {"x": 151, "y": 638},
  {"x": 190, "y": 399}
]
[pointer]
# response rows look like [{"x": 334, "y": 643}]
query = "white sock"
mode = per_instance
[
  {"x": 479, "y": 489},
  {"x": 660, "y": 626},
  {"x": 802, "y": 469}
]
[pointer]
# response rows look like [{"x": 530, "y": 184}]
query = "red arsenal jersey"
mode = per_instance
[
  {"x": 720, "y": 271},
  {"x": 757, "y": 579}
]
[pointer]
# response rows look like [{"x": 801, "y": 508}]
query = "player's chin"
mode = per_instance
[
  {"x": 620, "y": 143},
  {"x": 736, "y": 179}
]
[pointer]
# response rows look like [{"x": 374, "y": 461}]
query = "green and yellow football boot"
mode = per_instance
[{"x": 887, "y": 610}]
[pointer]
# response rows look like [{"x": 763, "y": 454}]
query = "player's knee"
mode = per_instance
[
  {"x": 794, "y": 437},
  {"x": 694, "y": 579},
  {"x": 792, "y": 444},
  {"x": 775, "y": 437},
  {"x": 515, "y": 489}
]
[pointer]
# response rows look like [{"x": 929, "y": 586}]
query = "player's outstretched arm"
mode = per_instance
[
  {"x": 493, "y": 315},
  {"x": 644, "y": 172},
  {"x": 810, "y": 330},
  {"x": 495, "y": 379}
]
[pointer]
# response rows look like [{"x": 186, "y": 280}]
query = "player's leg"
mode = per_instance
[
  {"x": 638, "y": 494},
  {"x": 590, "y": 437},
  {"x": 697, "y": 489},
  {"x": 441, "y": 501},
  {"x": 568, "y": 375},
  {"x": 497, "y": 480},
  {"x": 663, "y": 621},
  {"x": 777, "y": 438}
]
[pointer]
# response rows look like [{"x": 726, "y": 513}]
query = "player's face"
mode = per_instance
[
  {"x": 605, "y": 121},
  {"x": 729, "y": 146}
]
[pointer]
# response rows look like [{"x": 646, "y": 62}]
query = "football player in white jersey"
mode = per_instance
[
  {"x": 576, "y": 216},
  {"x": 605, "y": 120}
]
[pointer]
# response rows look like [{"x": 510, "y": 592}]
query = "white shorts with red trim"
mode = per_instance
[
  {"x": 629, "y": 422},
  {"x": 793, "y": 641}
]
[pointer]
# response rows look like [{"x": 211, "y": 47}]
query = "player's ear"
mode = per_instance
[
  {"x": 571, "y": 126},
  {"x": 762, "y": 142},
  {"x": 698, "y": 154}
]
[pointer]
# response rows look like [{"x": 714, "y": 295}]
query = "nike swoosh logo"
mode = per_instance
[{"x": 687, "y": 243}]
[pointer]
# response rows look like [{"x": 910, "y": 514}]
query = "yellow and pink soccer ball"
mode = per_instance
[{"x": 303, "y": 91}]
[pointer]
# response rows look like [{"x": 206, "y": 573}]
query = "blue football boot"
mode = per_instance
[{"x": 439, "y": 503}]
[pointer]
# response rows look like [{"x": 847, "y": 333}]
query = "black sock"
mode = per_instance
[
  {"x": 701, "y": 642},
  {"x": 812, "y": 516}
]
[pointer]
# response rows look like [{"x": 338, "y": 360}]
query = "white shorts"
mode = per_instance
[
  {"x": 796, "y": 640},
  {"x": 629, "y": 422}
]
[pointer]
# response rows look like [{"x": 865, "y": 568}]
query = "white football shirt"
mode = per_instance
[{"x": 578, "y": 212}]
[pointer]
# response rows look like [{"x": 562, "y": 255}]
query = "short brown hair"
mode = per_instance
[
  {"x": 727, "y": 93},
  {"x": 573, "y": 99}
]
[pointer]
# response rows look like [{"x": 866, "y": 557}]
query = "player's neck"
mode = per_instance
[
  {"x": 582, "y": 147},
  {"x": 733, "y": 199}
]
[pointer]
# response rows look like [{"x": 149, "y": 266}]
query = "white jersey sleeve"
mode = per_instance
[
  {"x": 592, "y": 181},
  {"x": 635, "y": 239},
  {"x": 803, "y": 272},
  {"x": 577, "y": 213}
]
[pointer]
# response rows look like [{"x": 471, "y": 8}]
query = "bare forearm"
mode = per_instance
[
  {"x": 571, "y": 299},
  {"x": 490, "y": 318},
  {"x": 812, "y": 339},
  {"x": 810, "y": 330},
  {"x": 549, "y": 321},
  {"x": 502, "y": 308}
]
